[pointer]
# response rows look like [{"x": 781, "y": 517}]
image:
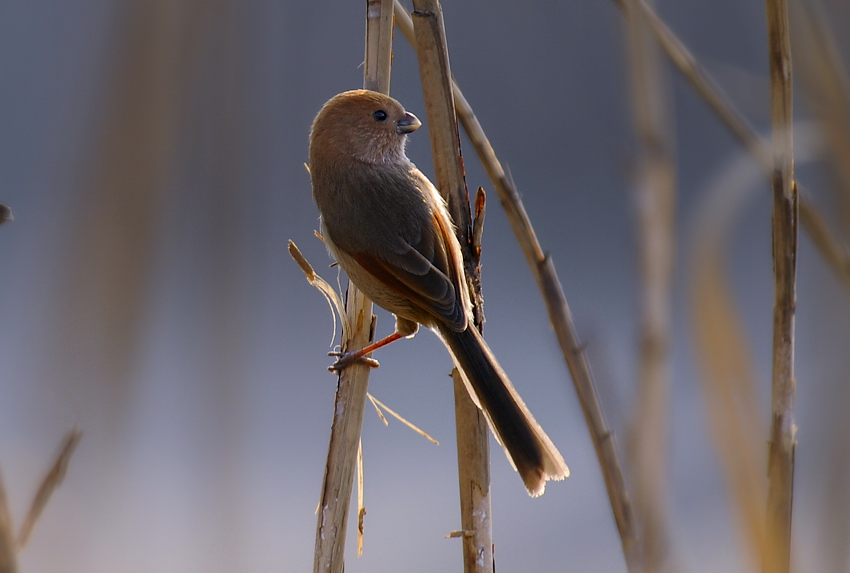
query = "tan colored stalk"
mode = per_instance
[
  {"x": 473, "y": 440},
  {"x": 655, "y": 201},
  {"x": 8, "y": 550},
  {"x": 350, "y": 400},
  {"x": 780, "y": 464},
  {"x": 560, "y": 316}
]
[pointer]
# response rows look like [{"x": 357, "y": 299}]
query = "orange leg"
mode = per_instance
[{"x": 348, "y": 358}]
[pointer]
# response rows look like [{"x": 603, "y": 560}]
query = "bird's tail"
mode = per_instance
[{"x": 527, "y": 446}]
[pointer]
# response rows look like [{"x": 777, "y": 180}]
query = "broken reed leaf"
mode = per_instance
[
  {"x": 726, "y": 366},
  {"x": 459, "y": 533},
  {"x": 378, "y": 409},
  {"x": 478, "y": 223},
  {"x": 378, "y": 405},
  {"x": 331, "y": 296},
  {"x": 51, "y": 481}
]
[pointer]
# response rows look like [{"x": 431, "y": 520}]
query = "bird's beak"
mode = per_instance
[{"x": 408, "y": 124}]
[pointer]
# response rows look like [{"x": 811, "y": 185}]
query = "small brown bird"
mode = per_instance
[{"x": 389, "y": 228}]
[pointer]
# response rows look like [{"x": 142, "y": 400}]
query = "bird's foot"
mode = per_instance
[{"x": 345, "y": 359}]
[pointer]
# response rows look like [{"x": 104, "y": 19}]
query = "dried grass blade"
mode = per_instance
[
  {"x": 51, "y": 481},
  {"x": 380, "y": 405},
  {"x": 330, "y": 294},
  {"x": 723, "y": 356}
]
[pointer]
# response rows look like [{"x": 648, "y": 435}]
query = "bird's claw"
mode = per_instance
[{"x": 345, "y": 359}]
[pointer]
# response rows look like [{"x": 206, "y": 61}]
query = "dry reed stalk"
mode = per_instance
[
  {"x": 379, "y": 46},
  {"x": 8, "y": 548},
  {"x": 707, "y": 88},
  {"x": 655, "y": 200},
  {"x": 473, "y": 439},
  {"x": 350, "y": 400},
  {"x": 560, "y": 316},
  {"x": 780, "y": 468}
]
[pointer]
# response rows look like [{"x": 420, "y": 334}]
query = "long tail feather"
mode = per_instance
[{"x": 526, "y": 444}]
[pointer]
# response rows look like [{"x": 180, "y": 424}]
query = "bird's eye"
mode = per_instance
[{"x": 380, "y": 115}]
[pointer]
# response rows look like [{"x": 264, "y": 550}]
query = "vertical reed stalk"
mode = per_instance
[
  {"x": 473, "y": 440},
  {"x": 350, "y": 402},
  {"x": 780, "y": 470},
  {"x": 655, "y": 201}
]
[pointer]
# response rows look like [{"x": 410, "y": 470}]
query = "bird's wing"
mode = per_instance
[{"x": 423, "y": 271}]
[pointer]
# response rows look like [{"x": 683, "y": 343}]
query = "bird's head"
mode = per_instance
[{"x": 363, "y": 124}]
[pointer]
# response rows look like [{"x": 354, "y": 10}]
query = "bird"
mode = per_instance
[{"x": 389, "y": 229}]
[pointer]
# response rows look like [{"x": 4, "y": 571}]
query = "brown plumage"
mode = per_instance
[{"x": 388, "y": 227}]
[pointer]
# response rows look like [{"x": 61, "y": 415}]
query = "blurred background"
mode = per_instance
[{"x": 153, "y": 154}]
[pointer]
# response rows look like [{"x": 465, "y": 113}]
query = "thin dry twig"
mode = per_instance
[
  {"x": 780, "y": 468},
  {"x": 324, "y": 287},
  {"x": 655, "y": 202},
  {"x": 560, "y": 316},
  {"x": 51, "y": 481},
  {"x": 350, "y": 400},
  {"x": 379, "y": 406},
  {"x": 473, "y": 440}
]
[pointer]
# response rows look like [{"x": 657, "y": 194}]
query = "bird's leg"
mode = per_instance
[
  {"x": 349, "y": 358},
  {"x": 403, "y": 329}
]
